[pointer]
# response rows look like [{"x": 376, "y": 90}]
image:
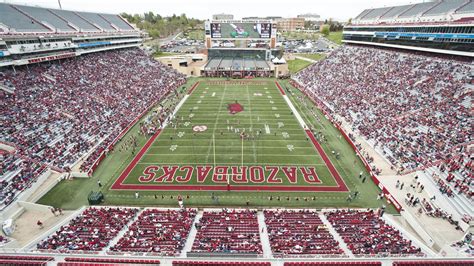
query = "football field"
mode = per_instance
[
  {"x": 231, "y": 143},
  {"x": 233, "y": 135}
]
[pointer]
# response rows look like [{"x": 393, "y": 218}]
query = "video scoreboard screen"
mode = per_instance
[{"x": 240, "y": 30}]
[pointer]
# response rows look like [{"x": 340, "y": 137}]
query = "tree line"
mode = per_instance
[{"x": 160, "y": 27}]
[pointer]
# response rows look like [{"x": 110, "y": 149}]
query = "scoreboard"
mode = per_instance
[
  {"x": 240, "y": 32},
  {"x": 239, "y": 29}
]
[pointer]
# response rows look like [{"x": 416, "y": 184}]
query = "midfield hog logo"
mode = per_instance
[{"x": 235, "y": 108}]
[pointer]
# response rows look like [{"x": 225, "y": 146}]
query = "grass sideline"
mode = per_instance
[
  {"x": 335, "y": 36},
  {"x": 72, "y": 194},
  {"x": 297, "y": 65},
  {"x": 316, "y": 57}
]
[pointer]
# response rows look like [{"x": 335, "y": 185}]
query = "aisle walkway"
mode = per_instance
[
  {"x": 336, "y": 236},
  {"x": 192, "y": 235},
  {"x": 262, "y": 228}
]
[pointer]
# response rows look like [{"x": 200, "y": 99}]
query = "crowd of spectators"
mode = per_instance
[
  {"x": 415, "y": 108},
  {"x": 459, "y": 173},
  {"x": 228, "y": 231},
  {"x": 61, "y": 110},
  {"x": 158, "y": 231},
  {"x": 91, "y": 231},
  {"x": 366, "y": 233},
  {"x": 16, "y": 175},
  {"x": 296, "y": 232}
]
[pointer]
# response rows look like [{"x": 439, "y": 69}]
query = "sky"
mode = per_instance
[{"x": 204, "y": 9}]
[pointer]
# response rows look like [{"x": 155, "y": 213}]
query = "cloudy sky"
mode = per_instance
[{"x": 203, "y": 9}]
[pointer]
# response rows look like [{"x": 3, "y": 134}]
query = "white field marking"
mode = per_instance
[
  {"x": 266, "y": 147},
  {"x": 233, "y": 154},
  {"x": 295, "y": 112},
  {"x": 272, "y": 102},
  {"x": 215, "y": 122},
  {"x": 267, "y": 92},
  {"x": 206, "y": 88},
  {"x": 290, "y": 147},
  {"x": 202, "y": 96},
  {"x": 176, "y": 109},
  {"x": 251, "y": 125},
  {"x": 173, "y": 147},
  {"x": 265, "y": 88},
  {"x": 274, "y": 108},
  {"x": 269, "y": 96},
  {"x": 187, "y": 123},
  {"x": 277, "y": 115},
  {"x": 285, "y": 135},
  {"x": 267, "y": 129},
  {"x": 237, "y": 164},
  {"x": 288, "y": 129},
  {"x": 199, "y": 101},
  {"x": 204, "y": 92},
  {"x": 181, "y": 134},
  {"x": 280, "y": 124},
  {"x": 213, "y": 94},
  {"x": 191, "y": 115},
  {"x": 264, "y": 140}
]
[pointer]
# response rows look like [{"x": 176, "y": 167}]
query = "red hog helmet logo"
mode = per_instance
[{"x": 235, "y": 108}]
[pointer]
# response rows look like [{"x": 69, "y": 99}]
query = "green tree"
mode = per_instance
[{"x": 325, "y": 29}]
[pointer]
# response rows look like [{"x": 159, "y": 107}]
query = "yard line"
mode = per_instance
[
  {"x": 217, "y": 119},
  {"x": 251, "y": 127}
]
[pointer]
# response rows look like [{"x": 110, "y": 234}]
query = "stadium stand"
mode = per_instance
[
  {"x": 27, "y": 19},
  {"x": 24, "y": 260},
  {"x": 467, "y": 8},
  {"x": 444, "y": 7},
  {"x": 334, "y": 263},
  {"x": 112, "y": 260},
  {"x": 365, "y": 233},
  {"x": 394, "y": 110},
  {"x": 91, "y": 231},
  {"x": 433, "y": 263},
  {"x": 73, "y": 108},
  {"x": 14, "y": 19},
  {"x": 17, "y": 174},
  {"x": 228, "y": 231},
  {"x": 218, "y": 263},
  {"x": 299, "y": 232},
  {"x": 157, "y": 231}
]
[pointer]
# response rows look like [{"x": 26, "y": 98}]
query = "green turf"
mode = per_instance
[
  {"x": 296, "y": 35},
  {"x": 335, "y": 36},
  {"x": 220, "y": 145},
  {"x": 316, "y": 57},
  {"x": 195, "y": 34},
  {"x": 199, "y": 148},
  {"x": 297, "y": 65}
]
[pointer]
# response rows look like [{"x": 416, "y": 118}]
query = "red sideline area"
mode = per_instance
[
  {"x": 192, "y": 88},
  {"x": 135, "y": 160},
  {"x": 321, "y": 107},
  {"x": 329, "y": 165},
  {"x": 280, "y": 88}
]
